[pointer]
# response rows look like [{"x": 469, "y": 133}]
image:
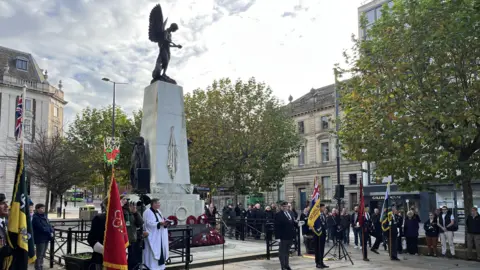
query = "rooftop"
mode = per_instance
[{"x": 316, "y": 99}]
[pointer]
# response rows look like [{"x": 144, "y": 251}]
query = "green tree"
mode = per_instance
[
  {"x": 241, "y": 136},
  {"x": 87, "y": 134},
  {"x": 412, "y": 105},
  {"x": 52, "y": 165}
]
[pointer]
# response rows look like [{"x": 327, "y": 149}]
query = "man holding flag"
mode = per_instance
[
  {"x": 108, "y": 234},
  {"x": 20, "y": 230},
  {"x": 317, "y": 222},
  {"x": 364, "y": 222}
]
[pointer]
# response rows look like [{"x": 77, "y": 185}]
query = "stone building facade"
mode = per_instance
[
  {"x": 43, "y": 112},
  {"x": 314, "y": 115}
]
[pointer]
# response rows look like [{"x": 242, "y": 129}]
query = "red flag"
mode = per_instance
[
  {"x": 116, "y": 237},
  {"x": 361, "y": 208}
]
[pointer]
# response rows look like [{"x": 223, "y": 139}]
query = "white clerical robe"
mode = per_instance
[{"x": 156, "y": 244}]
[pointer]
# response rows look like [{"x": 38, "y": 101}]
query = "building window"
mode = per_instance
[
  {"x": 353, "y": 200},
  {"x": 57, "y": 131},
  {"x": 27, "y": 128},
  {"x": 324, "y": 120},
  {"x": 301, "y": 127},
  {"x": 327, "y": 188},
  {"x": 28, "y": 105},
  {"x": 301, "y": 156},
  {"x": 353, "y": 179},
  {"x": 22, "y": 64},
  {"x": 325, "y": 152},
  {"x": 55, "y": 111}
]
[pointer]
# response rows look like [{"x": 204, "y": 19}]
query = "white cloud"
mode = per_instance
[{"x": 290, "y": 45}]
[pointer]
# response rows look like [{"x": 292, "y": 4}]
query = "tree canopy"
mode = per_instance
[
  {"x": 86, "y": 136},
  {"x": 412, "y": 105},
  {"x": 53, "y": 165},
  {"x": 242, "y": 136}
]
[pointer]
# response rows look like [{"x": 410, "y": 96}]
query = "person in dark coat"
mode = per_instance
[
  {"x": 240, "y": 213},
  {"x": 43, "y": 233},
  {"x": 229, "y": 217},
  {"x": 320, "y": 239},
  {"x": 345, "y": 223},
  {"x": 270, "y": 215},
  {"x": 377, "y": 230},
  {"x": 394, "y": 233},
  {"x": 411, "y": 233},
  {"x": 259, "y": 218},
  {"x": 401, "y": 231},
  {"x": 431, "y": 233},
  {"x": 284, "y": 233},
  {"x": 211, "y": 213},
  {"x": 304, "y": 218},
  {"x": 133, "y": 222},
  {"x": 5, "y": 249},
  {"x": 473, "y": 233},
  {"x": 96, "y": 236}
]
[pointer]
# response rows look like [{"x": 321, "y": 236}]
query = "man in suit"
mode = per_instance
[
  {"x": 320, "y": 228},
  {"x": 367, "y": 223},
  {"x": 96, "y": 236},
  {"x": 394, "y": 233},
  {"x": 377, "y": 230},
  {"x": 284, "y": 233}
]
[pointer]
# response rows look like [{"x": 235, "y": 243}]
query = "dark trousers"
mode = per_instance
[
  {"x": 319, "y": 248},
  {"x": 357, "y": 233},
  {"x": 346, "y": 236},
  {"x": 365, "y": 235},
  {"x": 393, "y": 244},
  {"x": 40, "y": 253},
  {"x": 284, "y": 253},
  {"x": 412, "y": 245},
  {"x": 378, "y": 240},
  {"x": 134, "y": 255}
]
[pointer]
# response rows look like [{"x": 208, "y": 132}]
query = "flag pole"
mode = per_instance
[{"x": 22, "y": 134}]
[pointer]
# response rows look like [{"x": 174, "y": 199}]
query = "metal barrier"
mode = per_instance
[{"x": 68, "y": 241}]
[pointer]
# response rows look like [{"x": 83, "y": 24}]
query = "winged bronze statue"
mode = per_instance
[{"x": 163, "y": 37}]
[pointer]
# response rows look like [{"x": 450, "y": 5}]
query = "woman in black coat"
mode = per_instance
[{"x": 431, "y": 232}]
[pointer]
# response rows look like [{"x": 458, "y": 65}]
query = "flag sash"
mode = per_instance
[{"x": 314, "y": 215}]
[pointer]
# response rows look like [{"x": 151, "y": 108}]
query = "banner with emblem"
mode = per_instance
[
  {"x": 116, "y": 237},
  {"x": 20, "y": 231},
  {"x": 314, "y": 221}
]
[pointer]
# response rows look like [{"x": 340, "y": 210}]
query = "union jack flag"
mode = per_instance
[
  {"x": 18, "y": 118},
  {"x": 316, "y": 190}
]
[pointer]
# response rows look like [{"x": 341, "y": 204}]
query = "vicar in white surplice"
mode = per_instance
[{"x": 155, "y": 253}]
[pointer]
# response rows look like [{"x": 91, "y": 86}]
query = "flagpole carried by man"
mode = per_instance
[
  {"x": 20, "y": 230},
  {"x": 317, "y": 223}
]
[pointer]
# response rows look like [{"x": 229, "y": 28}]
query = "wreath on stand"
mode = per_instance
[
  {"x": 202, "y": 219},
  {"x": 191, "y": 220},
  {"x": 111, "y": 150}
]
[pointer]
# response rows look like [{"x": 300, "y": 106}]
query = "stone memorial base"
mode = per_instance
[{"x": 165, "y": 134}]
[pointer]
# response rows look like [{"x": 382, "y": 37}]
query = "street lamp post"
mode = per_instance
[
  {"x": 113, "y": 103},
  {"x": 337, "y": 127}
]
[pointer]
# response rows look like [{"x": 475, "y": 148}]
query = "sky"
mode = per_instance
[{"x": 291, "y": 45}]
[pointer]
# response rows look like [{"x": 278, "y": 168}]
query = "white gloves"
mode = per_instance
[{"x": 98, "y": 248}]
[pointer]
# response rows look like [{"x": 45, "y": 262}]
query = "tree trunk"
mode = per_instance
[
  {"x": 467, "y": 200},
  {"x": 61, "y": 202},
  {"x": 53, "y": 203},
  {"x": 47, "y": 200}
]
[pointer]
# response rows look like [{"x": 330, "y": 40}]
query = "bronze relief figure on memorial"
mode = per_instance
[{"x": 163, "y": 37}]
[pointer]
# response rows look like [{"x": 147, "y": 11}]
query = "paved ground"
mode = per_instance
[{"x": 377, "y": 262}]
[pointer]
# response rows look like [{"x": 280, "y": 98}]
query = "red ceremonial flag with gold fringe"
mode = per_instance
[{"x": 116, "y": 237}]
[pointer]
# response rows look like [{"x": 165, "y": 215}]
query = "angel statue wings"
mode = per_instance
[{"x": 163, "y": 37}]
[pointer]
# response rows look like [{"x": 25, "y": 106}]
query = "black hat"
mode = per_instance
[
  {"x": 322, "y": 205},
  {"x": 284, "y": 203},
  {"x": 39, "y": 205},
  {"x": 2, "y": 198}
]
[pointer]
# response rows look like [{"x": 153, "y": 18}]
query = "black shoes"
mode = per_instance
[
  {"x": 366, "y": 259},
  {"x": 322, "y": 266},
  {"x": 395, "y": 259},
  {"x": 374, "y": 251}
]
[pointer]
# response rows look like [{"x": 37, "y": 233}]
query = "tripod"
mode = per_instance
[{"x": 342, "y": 251}]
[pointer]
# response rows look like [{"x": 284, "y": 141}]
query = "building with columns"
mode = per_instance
[
  {"x": 43, "y": 112},
  {"x": 314, "y": 115}
]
